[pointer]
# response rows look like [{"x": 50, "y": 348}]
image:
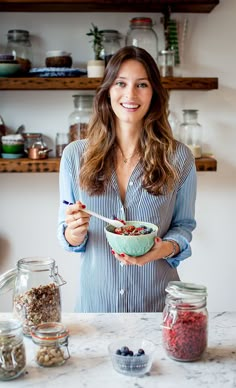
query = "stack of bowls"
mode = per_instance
[
  {"x": 12, "y": 146},
  {"x": 8, "y": 65}
]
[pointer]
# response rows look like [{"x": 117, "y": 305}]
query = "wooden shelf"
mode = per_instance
[
  {"x": 52, "y": 165},
  {"x": 84, "y": 83},
  {"x": 192, "y": 6}
]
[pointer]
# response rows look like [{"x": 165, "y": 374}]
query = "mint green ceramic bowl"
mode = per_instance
[{"x": 131, "y": 245}]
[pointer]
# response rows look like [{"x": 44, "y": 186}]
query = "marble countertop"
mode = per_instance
[{"x": 90, "y": 366}]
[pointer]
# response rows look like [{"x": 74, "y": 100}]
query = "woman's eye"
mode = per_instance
[
  {"x": 120, "y": 83},
  {"x": 142, "y": 85}
]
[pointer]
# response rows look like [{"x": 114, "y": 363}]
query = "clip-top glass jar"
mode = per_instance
[
  {"x": 19, "y": 45},
  {"x": 141, "y": 34},
  {"x": 51, "y": 340},
  {"x": 110, "y": 43},
  {"x": 36, "y": 291},
  {"x": 191, "y": 132},
  {"x": 185, "y": 321},
  {"x": 12, "y": 350},
  {"x": 79, "y": 118}
]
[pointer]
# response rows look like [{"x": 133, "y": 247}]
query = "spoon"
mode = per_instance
[{"x": 115, "y": 223}]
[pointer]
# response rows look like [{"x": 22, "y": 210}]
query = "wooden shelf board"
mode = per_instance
[
  {"x": 189, "y": 6},
  {"x": 84, "y": 83},
  {"x": 52, "y": 165}
]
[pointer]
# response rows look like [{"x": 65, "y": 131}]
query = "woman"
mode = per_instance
[{"x": 129, "y": 166}]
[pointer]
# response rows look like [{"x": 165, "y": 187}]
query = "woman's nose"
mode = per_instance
[{"x": 130, "y": 92}]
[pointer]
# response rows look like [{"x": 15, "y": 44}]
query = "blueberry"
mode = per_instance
[
  {"x": 118, "y": 351},
  {"x": 141, "y": 352},
  {"x": 124, "y": 350},
  {"x": 131, "y": 353}
]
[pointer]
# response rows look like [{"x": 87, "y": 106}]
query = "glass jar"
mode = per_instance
[
  {"x": 185, "y": 321},
  {"x": 62, "y": 140},
  {"x": 30, "y": 139},
  {"x": 19, "y": 45},
  {"x": 110, "y": 43},
  {"x": 12, "y": 350},
  {"x": 191, "y": 132},
  {"x": 79, "y": 118},
  {"x": 36, "y": 291},
  {"x": 51, "y": 344},
  {"x": 166, "y": 61},
  {"x": 141, "y": 34}
]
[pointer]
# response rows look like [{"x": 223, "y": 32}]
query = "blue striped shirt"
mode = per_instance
[{"x": 104, "y": 284}]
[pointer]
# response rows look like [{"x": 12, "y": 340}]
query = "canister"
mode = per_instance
[
  {"x": 185, "y": 321},
  {"x": 36, "y": 291},
  {"x": 12, "y": 350},
  {"x": 51, "y": 344}
]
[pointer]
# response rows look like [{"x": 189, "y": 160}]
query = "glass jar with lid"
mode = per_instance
[
  {"x": 12, "y": 350},
  {"x": 141, "y": 34},
  {"x": 62, "y": 140},
  {"x": 36, "y": 291},
  {"x": 191, "y": 132},
  {"x": 30, "y": 138},
  {"x": 166, "y": 61},
  {"x": 19, "y": 45},
  {"x": 185, "y": 321},
  {"x": 51, "y": 344},
  {"x": 79, "y": 118},
  {"x": 111, "y": 43}
]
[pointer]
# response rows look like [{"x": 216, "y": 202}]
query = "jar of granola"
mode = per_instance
[
  {"x": 12, "y": 350},
  {"x": 51, "y": 344},
  {"x": 36, "y": 291},
  {"x": 185, "y": 321}
]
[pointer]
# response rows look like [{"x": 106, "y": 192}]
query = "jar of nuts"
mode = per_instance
[
  {"x": 51, "y": 344},
  {"x": 12, "y": 350},
  {"x": 36, "y": 292}
]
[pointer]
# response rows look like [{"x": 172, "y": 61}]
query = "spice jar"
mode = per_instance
[
  {"x": 110, "y": 43},
  {"x": 79, "y": 118},
  {"x": 51, "y": 344},
  {"x": 12, "y": 350},
  {"x": 61, "y": 142},
  {"x": 36, "y": 291},
  {"x": 19, "y": 45},
  {"x": 166, "y": 60},
  {"x": 141, "y": 34},
  {"x": 185, "y": 321},
  {"x": 191, "y": 132}
]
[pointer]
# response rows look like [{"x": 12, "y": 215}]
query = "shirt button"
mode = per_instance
[
  {"x": 122, "y": 292},
  {"x": 131, "y": 183},
  {"x": 121, "y": 264}
]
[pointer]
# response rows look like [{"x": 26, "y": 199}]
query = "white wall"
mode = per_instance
[{"x": 29, "y": 202}]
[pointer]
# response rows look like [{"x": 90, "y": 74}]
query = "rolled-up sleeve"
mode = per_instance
[
  {"x": 183, "y": 221},
  {"x": 67, "y": 177}
]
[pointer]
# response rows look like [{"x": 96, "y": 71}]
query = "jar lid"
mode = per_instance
[
  {"x": 111, "y": 33},
  {"x": 49, "y": 332},
  {"x": 181, "y": 289},
  {"x": 141, "y": 20},
  {"x": 164, "y": 52},
  {"x": 14, "y": 34},
  {"x": 7, "y": 325},
  {"x": 7, "y": 280}
]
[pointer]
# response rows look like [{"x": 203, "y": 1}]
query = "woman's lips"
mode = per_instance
[{"x": 130, "y": 106}]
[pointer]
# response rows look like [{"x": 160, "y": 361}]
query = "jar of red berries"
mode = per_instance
[{"x": 185, "y": 321}]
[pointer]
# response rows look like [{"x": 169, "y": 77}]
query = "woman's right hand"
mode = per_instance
[{"x": 77, "y": 223}]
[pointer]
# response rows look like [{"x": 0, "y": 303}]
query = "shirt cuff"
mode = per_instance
[
  {"x": 185, "y": 249},
  {"x": 67, "y": 246}
]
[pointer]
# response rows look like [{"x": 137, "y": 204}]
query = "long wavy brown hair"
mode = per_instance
[{"x": 156, "y": 141}]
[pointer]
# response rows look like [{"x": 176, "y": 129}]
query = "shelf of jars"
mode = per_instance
[
  {"x": 84, "y": 83},
  {"x": 193, "y": 6},
  {"x": 206, "y": 163}
]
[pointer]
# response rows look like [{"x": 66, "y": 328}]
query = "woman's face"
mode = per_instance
[{"x": 131, "y": 94}]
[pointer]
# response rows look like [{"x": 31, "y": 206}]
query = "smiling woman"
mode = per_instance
[{"x": 131, "y": 166}]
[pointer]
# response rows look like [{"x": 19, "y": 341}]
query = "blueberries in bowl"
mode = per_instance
[{"x": 132, "y": 357}]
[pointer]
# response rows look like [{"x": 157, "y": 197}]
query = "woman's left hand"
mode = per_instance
[{"x": 159, "y": 250}]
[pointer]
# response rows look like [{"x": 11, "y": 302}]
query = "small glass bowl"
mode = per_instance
[{"x": 132, "y": 365}]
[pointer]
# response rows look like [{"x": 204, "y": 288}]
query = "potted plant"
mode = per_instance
[{"x": 96, "y": 66}]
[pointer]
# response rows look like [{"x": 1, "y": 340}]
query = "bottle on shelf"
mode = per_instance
[
  {"x": 111, "y": 43},
  {"x": 141, "y": 34},
  {"x": 191, "y": 132},
  {"x": 62, "y": 140},
  {"x": 79, "y": 118},
  {"x": 19, "y": 45}
]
